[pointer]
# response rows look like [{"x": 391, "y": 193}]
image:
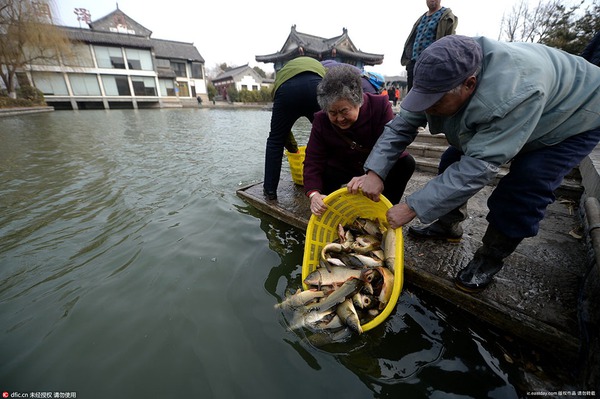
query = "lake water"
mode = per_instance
[{"x": 129, "y": 268}]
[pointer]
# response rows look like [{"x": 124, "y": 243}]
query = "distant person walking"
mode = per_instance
[
  {"x": 436, "y": 23},
  {"x": 392, "y": 94},
  {"x": 384, "y": 92}
]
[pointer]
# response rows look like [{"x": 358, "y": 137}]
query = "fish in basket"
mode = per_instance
[{"x": 352, "y": 270}]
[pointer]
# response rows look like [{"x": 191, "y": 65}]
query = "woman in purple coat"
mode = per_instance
[{"x": 342, "y": 136}]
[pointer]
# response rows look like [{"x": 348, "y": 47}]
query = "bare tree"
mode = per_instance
[
  {"x": 513, "y": 24},
  {"x": 539, "y": 24},
  {"x": 27, "y": 36}
]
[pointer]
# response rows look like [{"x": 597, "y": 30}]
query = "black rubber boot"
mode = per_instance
[
  {"x": 438, "y": 231},
  {"x": 487, "y": 261},
  {"x": 447, "y": 227}
]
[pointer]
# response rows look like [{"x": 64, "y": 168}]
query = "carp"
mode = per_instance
[
  {"x": 347, "y": 313},
  {"x": 311, "y": 319},
  {"x": 387, "y": 286},
  {"x": 300, "y": 298},
  {"x": 389, "y": 248},
  {"x": 347, "y": 290},
  {"x": 368, "y": 226},
  {"x": 336, "y": 276},
  {"x": 367, "y": 261},
  {"x": 365, "y": 244},
  {"x": 363, "y": 301}
]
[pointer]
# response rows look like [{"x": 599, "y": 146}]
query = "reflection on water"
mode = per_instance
[{"x": 130, "y": 269}]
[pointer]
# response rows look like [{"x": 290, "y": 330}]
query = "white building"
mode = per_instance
[
  {"x": 116, "y": 64},
  {"x": 243, "y": 78}
]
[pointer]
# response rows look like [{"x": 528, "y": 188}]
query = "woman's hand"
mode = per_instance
[{"x": 317, "y": 206}]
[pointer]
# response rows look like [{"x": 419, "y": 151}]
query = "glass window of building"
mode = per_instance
[
  {"x": 84, "y": 85},
  {"x": 167, "y": 87},
  {"x": 162, "y": 63},
  {"x": 179, "y": 69},
  {"x": 46, "y": 56},
  {"x": 116, "y": 85},
  {"x": 80, "y": 56},
  {"x": 51, "y": 84},
  {"x": 109, "y": 57},
  {"x": 196, "y": 70},
  {"x": 139, "y": 59},
  {"x": 143, "y": 86}
]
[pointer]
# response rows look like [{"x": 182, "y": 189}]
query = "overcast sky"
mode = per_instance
[{"x": 234, "y": 31}]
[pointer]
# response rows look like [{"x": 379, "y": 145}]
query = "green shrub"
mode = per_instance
[
  {"x": 255, "y": 96},
  {"x": 7, "y": 102},
  {"x": 232, "y": 94},
  {"x": 211, "y": 91},
  {"x": 27, "y": 96},
  {"x": 32, "y": 94}
]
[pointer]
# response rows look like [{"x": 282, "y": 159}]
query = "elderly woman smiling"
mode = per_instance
[{"x": 342, "y": 136}]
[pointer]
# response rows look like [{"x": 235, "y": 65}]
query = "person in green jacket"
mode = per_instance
[
  {"x": 294, "y": 96},
  {"x": 436, "y": 23}
]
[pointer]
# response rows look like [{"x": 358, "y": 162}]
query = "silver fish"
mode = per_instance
[
  {"x": 363, "y": 301},
  {"x": 348, "y": 314},
  {"x": 388, "y": 285},
  {"x": 365, "y": 244},
  {"x": 336, "y": 276},
  {"x": 369, "y": 226},
  {"x": 367, "y": 261},
  {"x": 389, "y": 248},
  {"x": 299, "y": 299},
  {"x": 347, "y": 290},
  {"x": 309, "y": 319}
]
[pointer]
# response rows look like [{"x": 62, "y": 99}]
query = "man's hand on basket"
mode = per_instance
[
  {"x": 400, "y": 214},
  {"x": 370, "y": 184}
]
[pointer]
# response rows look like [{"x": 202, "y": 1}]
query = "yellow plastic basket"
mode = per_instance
[
  {"x": 296, "y": 162},
  {"x": 344, "y": 208}
]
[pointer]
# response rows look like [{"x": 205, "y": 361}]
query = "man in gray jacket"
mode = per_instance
[{"x": 533, "y": 106}]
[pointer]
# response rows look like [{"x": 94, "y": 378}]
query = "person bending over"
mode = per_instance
[{"x": 342, "y": 136}]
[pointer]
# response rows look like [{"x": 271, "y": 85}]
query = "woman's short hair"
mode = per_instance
[{"x": 341, "y": 82}]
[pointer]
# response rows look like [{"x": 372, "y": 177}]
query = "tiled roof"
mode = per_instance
[
  {"x": 99, "y": 34},
  {"x": 180, "y": 50},
  {"x": 299, "y": 43},
  {"x": 162, "y": 48},
  {"x": 232, "y": 72},
  {"x": 235, "y": 72},
  {"x": 108, "y": 38}
]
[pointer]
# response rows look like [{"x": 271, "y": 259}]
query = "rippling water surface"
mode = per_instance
[{"x": 130, "y": 269}]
